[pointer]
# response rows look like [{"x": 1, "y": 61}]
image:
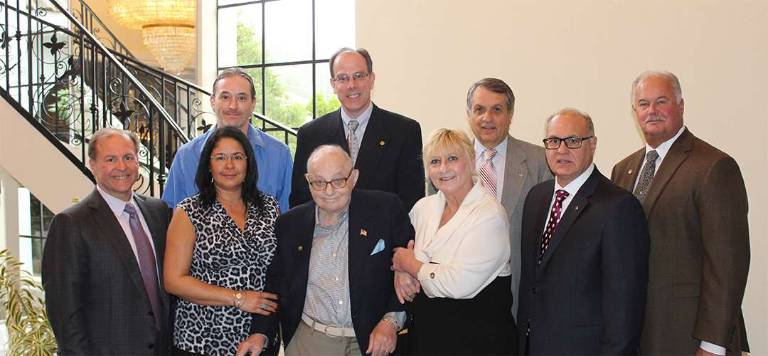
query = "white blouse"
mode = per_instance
[{"x": 467, "y": 253}]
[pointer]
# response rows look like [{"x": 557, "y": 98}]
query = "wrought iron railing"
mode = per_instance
[
  {"x": 59, "y": 75},
  {"x": 183, "y": 100},
  {"x": 71, "y": 85},
  {"x": 96, "y": 27}
]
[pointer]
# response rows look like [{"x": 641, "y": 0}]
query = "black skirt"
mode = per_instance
[{"x": 482, "y": 325}]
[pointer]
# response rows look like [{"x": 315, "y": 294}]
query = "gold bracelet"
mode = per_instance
[{"x": 238, "y": 299}]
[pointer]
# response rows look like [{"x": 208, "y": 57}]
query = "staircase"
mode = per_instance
[{"x": 63, "y": 76}]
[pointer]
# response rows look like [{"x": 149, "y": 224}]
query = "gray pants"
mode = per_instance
[{"x": 308, "y": 341}]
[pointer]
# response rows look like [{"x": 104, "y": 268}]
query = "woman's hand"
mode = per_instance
[
  {"x": 405, "y": 261},
  {"x": 263, "y": 303}
]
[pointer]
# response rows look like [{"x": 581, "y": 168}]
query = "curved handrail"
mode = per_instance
[{"x": 107, "y": 52}]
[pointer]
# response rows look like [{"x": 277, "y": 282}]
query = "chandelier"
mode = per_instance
[{"x": 167, "y": 28}]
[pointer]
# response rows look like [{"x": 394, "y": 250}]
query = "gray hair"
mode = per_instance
[
  {"x": 495, "y": 85},
  {"x": 361, "y": 51},
  {"x": 572, "y": 111},
  {"x": 109, "y": 132},
  {"x": 235, "y": 72},
  {"x": 326, "y": 149},
  {"x": 671, "y": 79}
]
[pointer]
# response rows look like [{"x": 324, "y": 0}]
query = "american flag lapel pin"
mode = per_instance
[{"x": 363, "y": 233}]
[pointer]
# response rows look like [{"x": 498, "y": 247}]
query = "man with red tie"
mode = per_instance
[{"x": 584, "y": 253}]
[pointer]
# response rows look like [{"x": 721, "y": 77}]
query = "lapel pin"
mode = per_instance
[
  {"x": 577, "y": 208},
  {"x": 381, "y": 143},
  {"x": 629, "y": 171},
  {"x": 301, "y": 248},
  {"x": 363, "y": 233}
]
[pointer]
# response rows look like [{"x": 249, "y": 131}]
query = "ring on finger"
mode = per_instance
[{"x": 263, "y": 305}]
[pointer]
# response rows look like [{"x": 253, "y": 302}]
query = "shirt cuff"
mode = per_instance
[
  {"x": 396, "y": 317},
  {"x": 710, "y": 347}
]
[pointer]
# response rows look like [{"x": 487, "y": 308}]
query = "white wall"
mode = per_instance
[{"x": 585, "y": 54}]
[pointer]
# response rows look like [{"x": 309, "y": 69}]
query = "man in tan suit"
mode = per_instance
[{"x": 696, "y": 204}]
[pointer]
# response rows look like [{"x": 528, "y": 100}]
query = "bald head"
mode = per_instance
[{"x": 329, "y": 154}]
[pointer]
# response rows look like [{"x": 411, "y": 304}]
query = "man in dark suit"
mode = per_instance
[
  {"x": 584, "y": 253},
  {"x": 101, "y": 264},
  {"x": 515, "y": 166},
  {"x": 696, "y": 203},
  {"x": 385, "y": 146},
  {"x": 332, "y": 265}
]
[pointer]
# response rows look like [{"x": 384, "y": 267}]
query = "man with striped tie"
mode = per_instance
[{"x": 507, "y": 166}]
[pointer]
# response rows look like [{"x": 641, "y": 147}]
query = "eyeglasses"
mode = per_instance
[
  {"x": 345, "y": 78},
  {"x": 222, "y": 157},
  {"x": 573, "y": 142},
  {"x": 337, "y": 183}
]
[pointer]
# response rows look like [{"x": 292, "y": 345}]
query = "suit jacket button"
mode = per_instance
[
  {"x": 151, "y": 346},
  {"x": 534, "y": 290}
]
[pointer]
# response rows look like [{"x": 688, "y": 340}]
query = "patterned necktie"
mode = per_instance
[
  {"x": 646, "y": 176},
  {"x": 487, "y": 172},
  {"x": 554, "y": 218},
  {"x": 147, "y": 263},
  {"x": 352, "y": 140}
]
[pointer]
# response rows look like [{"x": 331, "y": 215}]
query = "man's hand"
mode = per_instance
[
  {"x": 253, "y": 345},
  {"x": 406, "y": 287},
  {"x": 383, "y": 339}
]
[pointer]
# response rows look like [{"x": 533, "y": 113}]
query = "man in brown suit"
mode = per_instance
[{"x": 696, "y": 204}]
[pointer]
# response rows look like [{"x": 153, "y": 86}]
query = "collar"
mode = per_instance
[
  {"x": 664, "y": 147},
  {"x": 362, "y": 119},
  {"x": 342, "y": 218},
  {"x": 117, "y": 205},
  {"x": 573, "y": 187},
  {"x": 501, "y": 150}
]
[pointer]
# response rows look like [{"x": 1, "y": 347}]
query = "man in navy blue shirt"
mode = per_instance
[{"x": 233, "y": 101}]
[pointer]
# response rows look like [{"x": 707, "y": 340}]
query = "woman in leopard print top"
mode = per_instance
[{"x": 220, "y": 243}]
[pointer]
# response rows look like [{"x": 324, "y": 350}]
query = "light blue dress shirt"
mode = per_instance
[{"x": 272, "y": 158}]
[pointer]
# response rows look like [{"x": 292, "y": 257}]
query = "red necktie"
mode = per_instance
[{"x": 554, "y": 218}]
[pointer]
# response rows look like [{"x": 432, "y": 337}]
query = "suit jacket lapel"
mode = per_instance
[
  {"x": 361, "y": 242},
  {"x": 304, "y": 232},
  {"x": 672, "y": 161},
  {"x": 515, "y": 175},
  {"x": 372, "y": 146},
  {"x": 108, "y": 227},
  {"x": 575, "y": 208},
  {"x": 626, "y": 178}
]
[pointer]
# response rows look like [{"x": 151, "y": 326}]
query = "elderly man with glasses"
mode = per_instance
[
  {"x": 332, "y": 265},
  {"x": 385, "y": 147},
  {"x": 584, "y": 253}
]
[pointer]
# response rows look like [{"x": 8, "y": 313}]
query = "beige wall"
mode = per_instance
[{"x": 585, "y": 54}]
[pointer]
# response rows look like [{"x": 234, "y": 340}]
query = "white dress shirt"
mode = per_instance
[
  {"x": 362, "y": 121},
  {"x": 572, "y": 188},
  {"x": 118, "y": 208},
  {"x": 662, "y": 150}
]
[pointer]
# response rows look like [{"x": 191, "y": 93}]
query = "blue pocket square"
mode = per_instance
[{"x": 378, "y": 248}]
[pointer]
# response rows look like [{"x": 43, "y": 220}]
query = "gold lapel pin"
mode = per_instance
[
  {"x": 301, "y": 248},
  {"x": 629, "y": 171},
  {"x": 381, "y": 143},
  {"x": 363, "y": 233}
]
